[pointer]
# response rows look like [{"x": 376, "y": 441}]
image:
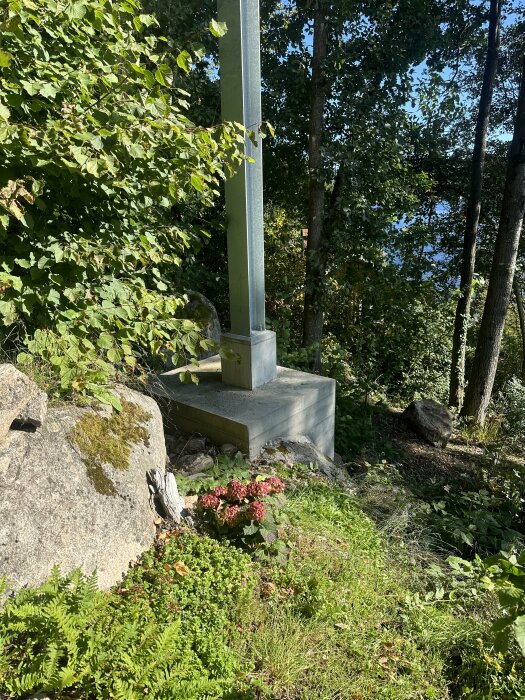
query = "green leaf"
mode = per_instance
[
  {"x": 218, "y": 29},
  {"x": 78, "y": 154},
  {"x": 92, "y": 167},
  {"x": 24, "y": 358},
  {"x": 32, "y": 87},
  {"x": 163, "y": 74},
  {"x": 519, "y": 632},
  {"x": 49, "y": 90},
  {"x": 8, "y": 312},
  {"x": 268, "y": 536},
  {"x": 250, "y": 529},
  {"x": 184, "y": 61},
  {"x": 106, "y": 396},
  {"x": 4, "y": 113},
  {"x": 5, "y": 58},
  {"x": 57, "y": 251},
  {"x": 197, "y": 182},
  {"x": 199, "y": 51},
  {"x": 114, "y": 355},
  {"x": 105, "y": 341},
  {"x": 76, "y": 10}
]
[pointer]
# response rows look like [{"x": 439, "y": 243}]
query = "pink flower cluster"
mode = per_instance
[
  {"x": 209, "y": 502},
  {"x": 256, "y": 511},
  {"x": 232, "y": 515},
  {"x": 236, "y": 492},
  {"x": 237, "y": 502}
]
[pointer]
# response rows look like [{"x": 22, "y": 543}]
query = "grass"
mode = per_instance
[{"x": 331, "y": 624}]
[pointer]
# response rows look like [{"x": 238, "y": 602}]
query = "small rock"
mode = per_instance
[
  {"x": 431, "y": 420},
  {"x": 277, "y": 452},
  {"x": 300, "y": 450},
  {"x": 167, "y": 493},
  {"x": 229, "y": 450},
  {"x": 198, "y": 475},
  {"x": 190, "y": 502},
  {"x": 34, "y": 413},
  {"x": 200, "y": 310},
  {"x": 338, "y": 460},
  {"x": 16, "y": 391},
  {"x": 194, "y": 446},
  {"x": 195, "y": 463}
]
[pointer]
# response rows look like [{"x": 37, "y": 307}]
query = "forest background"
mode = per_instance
[{"x": 391, "y": 101}]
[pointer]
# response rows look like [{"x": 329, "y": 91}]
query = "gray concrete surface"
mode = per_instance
[
  {"x": 293, "y": 404},
  {"x": 255, "y": 361}
]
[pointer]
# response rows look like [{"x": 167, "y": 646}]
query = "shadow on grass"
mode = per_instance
[{"x": 464, "y": 499}]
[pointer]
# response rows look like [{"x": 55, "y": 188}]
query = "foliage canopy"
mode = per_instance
[{"x": 95, "y": 150}]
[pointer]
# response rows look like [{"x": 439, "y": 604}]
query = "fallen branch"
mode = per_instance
[{"x": 167, "y": 492}]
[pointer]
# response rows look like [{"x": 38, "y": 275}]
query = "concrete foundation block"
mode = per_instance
[
  {"x": 293, "y": 404},
  {"x": 255, "y": 360}
]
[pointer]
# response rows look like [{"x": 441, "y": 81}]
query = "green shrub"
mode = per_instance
[
  {"x": 95, "y": 150},
  {"x": 67, "y": 635},
  {"x": 163, "y": 633},
  {"x": 511, "y": 405},
  {"x": 476, "y": 521},
  {"x": 505, "y": 574},
  {"x": 202, "y": 582}
]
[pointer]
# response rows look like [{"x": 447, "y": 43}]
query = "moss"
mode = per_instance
[
  {"x": 108, "y": 441},
  {"x": 100, "y": 480}
]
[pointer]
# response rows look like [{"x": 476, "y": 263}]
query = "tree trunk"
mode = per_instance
[
  {"x": 521, "y": 315},
  {"x": 499, "y": 291},
  {"x": 459, "y": 341},
  {"x": 315, "y": 268}
]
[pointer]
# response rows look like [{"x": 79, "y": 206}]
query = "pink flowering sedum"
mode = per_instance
[
  {"x": 232, "y": 515},
  {"x": 236, "y": 491},
  {"x": 220, "y": 491},
  {"x": 275, "y": 484},
  {"x": 209, "y": 502},
  {"x": 240, "y": 506},
  {"x": 256, "y": 511},
  {"x": 258, "y": 489}
]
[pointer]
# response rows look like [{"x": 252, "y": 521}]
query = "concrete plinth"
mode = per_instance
[
  {"x": 293, "y": 404},
  {"x": 255, "y": 360}
]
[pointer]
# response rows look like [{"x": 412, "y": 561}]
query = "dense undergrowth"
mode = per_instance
[{"x": 365, "y": 607}]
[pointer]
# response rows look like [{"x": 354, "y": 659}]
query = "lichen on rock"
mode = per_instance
[{"x": 105, "y": 440}]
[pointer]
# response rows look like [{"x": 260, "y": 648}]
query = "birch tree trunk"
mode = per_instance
[
  {"x": 481, "y": 381},
  {"x": 459, "y": 340},
  {"x": 315, "y": 268}
]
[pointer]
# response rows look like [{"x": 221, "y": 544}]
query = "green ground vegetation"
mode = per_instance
[{"x": 366, "y": 607}]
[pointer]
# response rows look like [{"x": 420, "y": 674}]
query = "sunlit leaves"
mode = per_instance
[
  {"x": 95, "y": 149},
  {"x": 217, "y": 29},
  {"x": 5, "y": 59},
  {"x": 184, "y": 61}
]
